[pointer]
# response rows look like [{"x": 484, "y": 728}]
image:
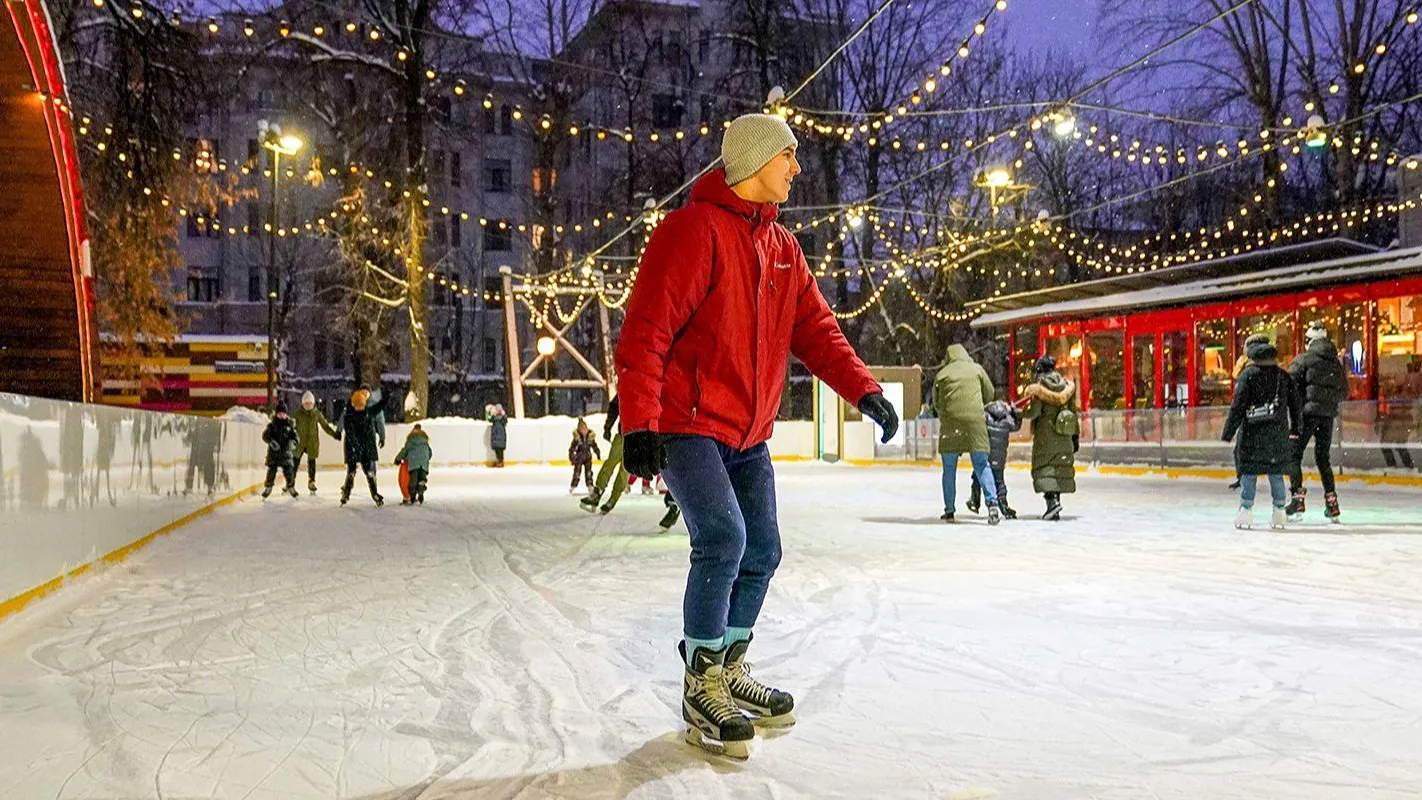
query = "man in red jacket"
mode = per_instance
[{"x": 722, "y": 300}]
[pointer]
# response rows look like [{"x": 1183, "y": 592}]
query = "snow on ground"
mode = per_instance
[{"x": 499, "y": 643}]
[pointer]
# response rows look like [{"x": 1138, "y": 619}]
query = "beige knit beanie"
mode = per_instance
[{"x": 751, "y": 142}]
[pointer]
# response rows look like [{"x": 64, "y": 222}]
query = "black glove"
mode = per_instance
[
  {"x": 876, "y": 407},
  {"x": 643, "y": 454},
  {"x": 1076, "y": 442}
]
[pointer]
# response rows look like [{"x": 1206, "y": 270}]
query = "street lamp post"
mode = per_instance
[
  {"x": 279, "y": 145},
  {"x": 547, "y": 346}
]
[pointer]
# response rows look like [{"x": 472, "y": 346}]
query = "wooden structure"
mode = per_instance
[
  {"x": 196, "y": 374},
  {"x": 48, "y": 343},
  {"x": 596, "y": 377}
]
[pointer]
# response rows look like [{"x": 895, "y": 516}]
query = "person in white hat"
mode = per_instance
[
  {"x": 1323, "y": 385},
  {"x": 308, "y": 419},
  {"x": 723, "y": 298}
]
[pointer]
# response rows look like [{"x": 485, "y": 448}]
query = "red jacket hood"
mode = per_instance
[{"x": 712, "y": 188}]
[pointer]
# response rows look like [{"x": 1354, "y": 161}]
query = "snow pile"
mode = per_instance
[{"x": 244, "y": 415}]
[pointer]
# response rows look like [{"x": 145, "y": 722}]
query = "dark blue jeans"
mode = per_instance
[{"x": 727, "y": 497}]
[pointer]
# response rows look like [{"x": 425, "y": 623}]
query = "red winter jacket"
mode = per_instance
[{"x": 722, "y": 298}]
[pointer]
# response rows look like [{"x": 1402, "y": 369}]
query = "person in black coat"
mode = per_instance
[
  {"x": 1265, "y": 413},
  {"x": 358, "y": 431},
  {"x": 282, "y": 444},
  {"x": 1323, "y": 386}
]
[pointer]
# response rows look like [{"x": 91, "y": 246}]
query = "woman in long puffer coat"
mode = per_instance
[
  {"x": 1056, "y": 424},
  {"x": 1265, "y": 413},
  {"x": 581, "y": 453}
]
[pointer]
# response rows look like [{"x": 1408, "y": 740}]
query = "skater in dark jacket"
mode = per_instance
[
  {"x": 357, "y": 424},
  {"x": 1322, "y": 386},
  {"x": 498, "y": 432},
  {"x": 1002, "y": 421},
  {"x": 581, "y": 452},
  {"x": 417, "y": 454},
  {"x": 1053, "y": 409},
  {"x": 282, "y": 446},
  {"x": 1265, "y": 413}
]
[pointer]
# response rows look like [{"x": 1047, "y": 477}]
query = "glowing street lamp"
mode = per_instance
[
  {"x": 280, "y": 145},
  {"x": 547, "y": 346}
]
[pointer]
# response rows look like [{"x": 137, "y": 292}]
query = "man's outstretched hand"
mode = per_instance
[
  {"x": 643, "y": 454},
  {"x": 876, "y": 407}
]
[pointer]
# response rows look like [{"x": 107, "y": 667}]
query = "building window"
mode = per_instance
[
  {"x": 254, "y": 218},
  {"x": 1214, "y": 366},
  {"x": 493, "y": 293},
  {"x": 441, "y": 233},
  {"x": 666, "y": 110},
  {"x": 204, "y": 285},
  {"x": 1400, "y": 351},
  {"x": 456, "y": 231},
  {"x": 338, "y": 354},
  {"x": 1278, "y": 327},
  {"x": 254, "y": 150},
  {"x": 254, "y": 284},
  {"x": 489, "y": 122},
  {"x": 505, "y": 120},
  {"x": 1107, "y": 371},
  {"x": 496, "y": 240},
  {"x": 1175, "y": 368},
  {"x": 456, "y": 169},
  {"x": 544, "y": 180},
  {"x": 703, "y": 47},
  {"x": 436, "y": 166},
  {"x": 491, "y": 354},
  {"x": 1348, "y": 329},
  {"x": 708, "y": 109},
  {"x": 498, "y": 175},
  {"x": 1143, "y": 371},
  {"x": 318, "y": 350},
  {"x": 1066, "y": 349},
  {"x": 1024, "y": 354}
]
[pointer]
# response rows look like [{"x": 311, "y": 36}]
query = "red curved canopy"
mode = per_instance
[{"x": 48, "y": 340}]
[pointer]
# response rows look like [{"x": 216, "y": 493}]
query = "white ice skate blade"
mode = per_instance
[{"x": 739, "y": 751}]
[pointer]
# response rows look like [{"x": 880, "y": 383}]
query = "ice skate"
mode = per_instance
[
  {"x": 1054, "y": 510},
  {"x": 714, "y": 722},
  {"x": 311, "y": 487},
  {"x": 765, "y": 706},
  {"x": 1330, "y": 507},
  {"x": 946, "y": 516},
  {"x": 647, "y": 489},
  {"x": 1296, "y": 506},
  {"x": 994, "y": 514},
  {"x": 973, "y": 504},
  {"x": 345, "y": 497},
  {"x": 1278, "y": 519},
  {"x": 266, "y": 492},
  {"x": 589, "y": 503},
  {"x": 605, "y": 509},
  {"x": 1244, "y": 519},
  {"x": 291, "y": 490},
  {"x": 669, "y": 519},
  {"x": 379, "y": 501},
  {"x": 1007, "y": 511}
]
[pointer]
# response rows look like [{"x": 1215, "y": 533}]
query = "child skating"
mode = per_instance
[
  {"x": 309, "y": 421},
  {"x": 357, "y": 425},
  {"x": 1002, "y": 421},
  {"x": 613, "y": 473},
  {"x": 581, "y": 453},
  {"x": 282, "y": 443},
  {"x": 416, "y": 456}
]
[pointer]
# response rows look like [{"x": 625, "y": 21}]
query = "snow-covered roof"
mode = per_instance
[{"x": 1311, "y": 275}]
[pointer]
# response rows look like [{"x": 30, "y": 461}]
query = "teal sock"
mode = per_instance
[
  {"x": 706, "y": 644},
  {"x": 734, "y": 635}
]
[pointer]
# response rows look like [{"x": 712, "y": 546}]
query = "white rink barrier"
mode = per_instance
[
  {"x": 83, "y": 483},
  {"x": 460, "y": 441}
]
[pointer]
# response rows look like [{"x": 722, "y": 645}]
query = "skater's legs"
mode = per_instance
[
  {"x": 1278, "y": 492},
  {"x": 950, "y": 481},
  {"x": 619, "y": 485},
  {"x": 1322, "y": 455},
  {"x": 417, "y": 483},
  {"x": 753, "y": 479},
  {"x": 1300, "y": 446},
  {"x": 351, "y": 468},
  {"x": 697, "y": 475},
  {"x": 271, "y": 475},
  {"x": 369, "y": 469},
  {"x": 311, "y": 467},
  {"x": 975, "y": 494},
  {"x": 288, "y": 471},
  {"x": 982, "y": 470},
  {"x": 999, "y": 479},
  {"x": 1248, "y": 486}
]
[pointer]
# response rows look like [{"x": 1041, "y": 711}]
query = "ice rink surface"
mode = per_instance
[{"x": 500, "y": 643}]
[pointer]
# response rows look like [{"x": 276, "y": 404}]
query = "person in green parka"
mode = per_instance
[
  {"x": 417, "y": 454},
  {"x": 1056, "y": 425},
  {"x": 960, "y": 391},
  {"x": 308, "y": 418}
]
